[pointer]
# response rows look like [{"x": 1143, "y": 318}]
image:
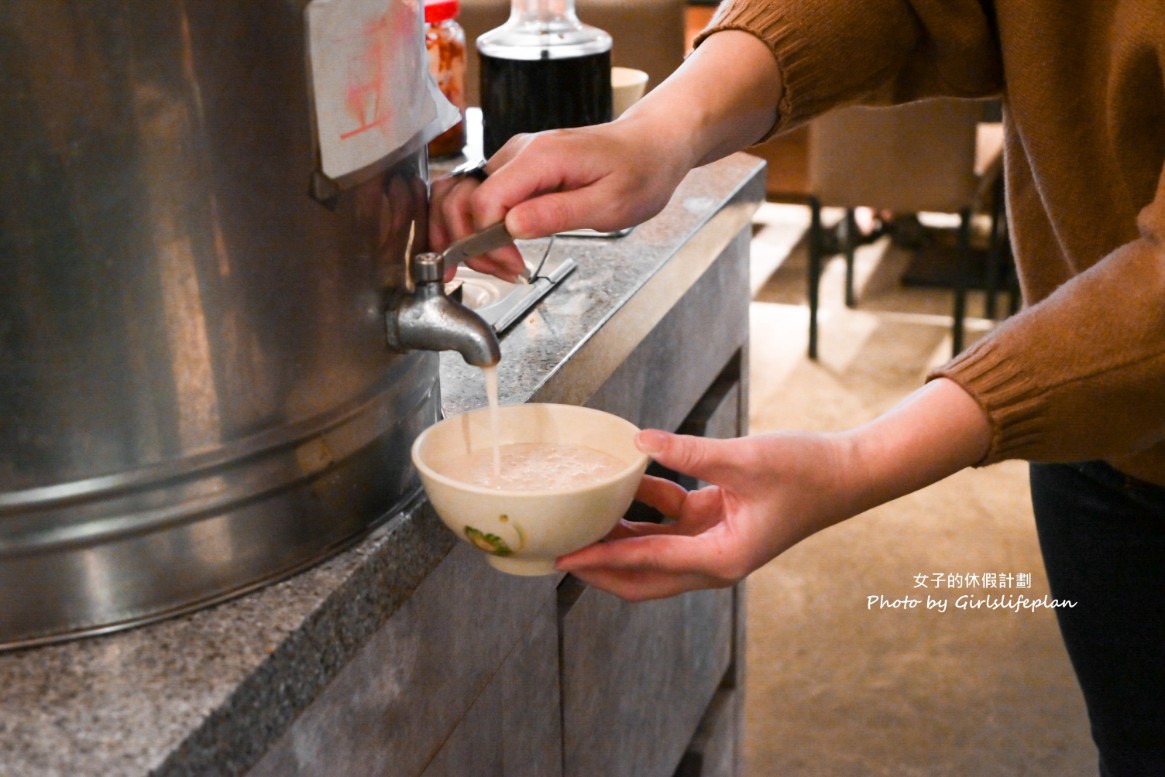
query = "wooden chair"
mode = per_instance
[{"x": 930, "y": 156}]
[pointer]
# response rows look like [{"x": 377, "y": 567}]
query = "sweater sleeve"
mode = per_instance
[
  {"x": 837, "y": 52},
  {"x": 1081, "y": 374}
]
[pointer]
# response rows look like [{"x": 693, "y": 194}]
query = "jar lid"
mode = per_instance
[{"x": 437, "y": 11}]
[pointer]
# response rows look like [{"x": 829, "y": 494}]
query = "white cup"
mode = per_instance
[{"x": 627, "y": 86}]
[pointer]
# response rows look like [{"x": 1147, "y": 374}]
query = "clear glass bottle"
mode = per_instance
[
  {"x": 445, "y": 44},
  {"x": 542, "y": 69}
]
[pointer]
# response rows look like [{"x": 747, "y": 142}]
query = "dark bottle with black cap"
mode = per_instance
[{"x": 542, "y": 69}]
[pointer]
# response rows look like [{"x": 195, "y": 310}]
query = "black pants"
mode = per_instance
[{"x": 1103, "y": 540}]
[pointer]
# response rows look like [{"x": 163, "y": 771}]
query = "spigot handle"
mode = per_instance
[{"x": 488, "y": 239}]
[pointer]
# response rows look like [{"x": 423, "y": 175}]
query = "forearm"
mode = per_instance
[
  {"x": 723, "y": 98},
  {"x": 772, "y": 491},
  {"x": 1096, "y": 394},
  {"x": 875, "y": 52},
  {"x": 936, "y": 431}
]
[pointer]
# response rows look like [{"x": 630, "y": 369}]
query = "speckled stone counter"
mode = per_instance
[{"x": 208, "y": 693}]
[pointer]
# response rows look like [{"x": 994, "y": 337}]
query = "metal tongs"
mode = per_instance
[{"x": 493, "y": 236}]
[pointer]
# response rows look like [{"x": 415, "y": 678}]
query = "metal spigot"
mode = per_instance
[{"x": 426, "y": 319}]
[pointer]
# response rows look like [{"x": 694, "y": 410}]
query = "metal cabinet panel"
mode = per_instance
[
  {"x": 636, "y": 679},
  {"x": 720, "y": 413},
  {"x": 389, "y": 711},
  {"x": 713, "y": 751},
  {"x": 671, "y": 369},
  {"x": 475, "y": 746},
  {"x": 514, "y": 729}
]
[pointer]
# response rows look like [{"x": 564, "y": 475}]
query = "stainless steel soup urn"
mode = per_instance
[{"x": 196, "y": 396}]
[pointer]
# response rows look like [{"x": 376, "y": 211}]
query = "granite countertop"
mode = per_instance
[{"x": 206, "y": 693}]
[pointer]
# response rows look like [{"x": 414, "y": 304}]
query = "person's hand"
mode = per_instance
[
  {"x": 771, "y": 491},
  {"x": 768, "y": 493},
  {"x": 449, "y": 220},
  {"x": 615, "y": 175},
  {"x": 604, "y": 177}
]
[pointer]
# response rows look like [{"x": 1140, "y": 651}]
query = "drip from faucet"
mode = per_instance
[{"x": 426, "y": 319}]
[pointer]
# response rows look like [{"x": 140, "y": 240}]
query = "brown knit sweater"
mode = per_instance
[{"x": 1079, "y": 373}]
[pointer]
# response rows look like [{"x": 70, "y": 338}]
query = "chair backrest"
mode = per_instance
[{"x": 908, "y": 158}]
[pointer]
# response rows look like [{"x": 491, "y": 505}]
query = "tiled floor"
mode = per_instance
[{"x": 836, "y": 688}]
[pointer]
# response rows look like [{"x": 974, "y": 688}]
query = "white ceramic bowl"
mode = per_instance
[
  {"x": 627, "y": 86},
  {"x": 524, "y": 531}
]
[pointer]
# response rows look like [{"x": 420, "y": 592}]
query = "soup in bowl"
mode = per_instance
[{"x": 532, "y": 483}]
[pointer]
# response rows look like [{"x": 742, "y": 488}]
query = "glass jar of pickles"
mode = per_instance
[{"x": 445, "y": 44}]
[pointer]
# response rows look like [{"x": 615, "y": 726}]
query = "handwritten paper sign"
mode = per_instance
[{"x": 371, "y": 89}]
